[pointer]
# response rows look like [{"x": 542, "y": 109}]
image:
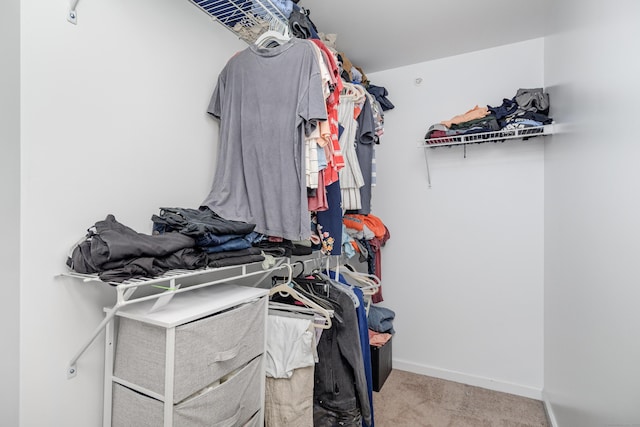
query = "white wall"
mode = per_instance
[
  {"x": 464, "y": 266},
  {"x": 113, "y": 121},
  {"x": 10, "y": 211},
  {"x": 592, "y": 206}
]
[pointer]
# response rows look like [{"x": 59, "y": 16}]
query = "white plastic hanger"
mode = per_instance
[
  {"x": 272, "y": 38},
  {"x": 285, "y": 289},
  {"x": 368, "y": 283}
]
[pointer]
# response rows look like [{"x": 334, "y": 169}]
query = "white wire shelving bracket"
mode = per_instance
[
  {"x": 170, "y": 282},
  {"x": 480, "y": 138},
  {"x": 72, "y": 15}
]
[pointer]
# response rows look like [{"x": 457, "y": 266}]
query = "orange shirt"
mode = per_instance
[{"x": 475, "y": 113}]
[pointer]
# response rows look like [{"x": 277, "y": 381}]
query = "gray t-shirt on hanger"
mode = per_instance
[{"x": 265, "y": 98}]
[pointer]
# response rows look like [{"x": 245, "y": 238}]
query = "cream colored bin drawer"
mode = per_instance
[
  {"x": 232, "y": 403},
  {"x": 205, "y": 350}
]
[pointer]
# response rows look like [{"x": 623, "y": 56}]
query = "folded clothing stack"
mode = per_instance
[
  {"x": 380, "y": 319},
  {"x": 527, "y": 108},
  {"x": 117, "y": 253}
]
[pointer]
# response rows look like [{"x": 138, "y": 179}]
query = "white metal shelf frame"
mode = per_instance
[
  {"x": 482, "y": 137},
  {"x": 496, "y": 136},
  {"x": 247, "y": 19},
  {"x": 171, "y": 281}
]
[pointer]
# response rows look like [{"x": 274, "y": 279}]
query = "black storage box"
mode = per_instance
[{"x": 381, "y": 364}]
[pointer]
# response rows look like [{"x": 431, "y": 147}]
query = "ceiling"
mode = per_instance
[{"x": 382, "y": 34}]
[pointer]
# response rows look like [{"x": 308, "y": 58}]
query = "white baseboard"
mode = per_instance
[
  {"x": 477, "y": 381},
  {"x": 549, "y": 409}
]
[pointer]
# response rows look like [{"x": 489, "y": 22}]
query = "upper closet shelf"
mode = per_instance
[
  {"x": 496, "y": 136},
  {"x": 247, "y": 19}
]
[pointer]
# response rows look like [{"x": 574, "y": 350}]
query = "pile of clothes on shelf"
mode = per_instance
[
  {"x": 380, "y": 323},
  {"x": 186, "y": 238},
  {"x": 365, "y": 235},
  {"x": 181, "y": 238},
  {"x": 528, "y": 108}
]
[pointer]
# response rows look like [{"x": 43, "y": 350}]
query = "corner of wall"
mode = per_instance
[
  {"x": 10, "y": 212},
  {"x": 548, "y": 409}
]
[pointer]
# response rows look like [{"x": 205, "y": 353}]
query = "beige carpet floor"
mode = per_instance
[{"x": 412, "y": 400}]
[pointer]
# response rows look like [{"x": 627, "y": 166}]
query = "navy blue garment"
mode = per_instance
[
  {"x": 371, "y": 256},
  {"x": 235, "y": 244},
  {"x": 508, "y": 106},
  {"x": 363, "y": 327},
  {"x": 380, "y": 93},
  {"x": 330, "y": 221},
  {"x": 211, "y": 239}
]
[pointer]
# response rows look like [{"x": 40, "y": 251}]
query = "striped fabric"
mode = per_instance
[{"x": 350, "y": 176}]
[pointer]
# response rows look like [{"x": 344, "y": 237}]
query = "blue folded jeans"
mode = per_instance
[
  {"x": 234, "y": 244},
  {"x": 381, "y": 319}
]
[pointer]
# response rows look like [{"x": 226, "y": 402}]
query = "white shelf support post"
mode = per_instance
[
  {"x": 426, "y": 160},
  {"x": 72, "y": 368},
  {"x": 72, "y": 15}
]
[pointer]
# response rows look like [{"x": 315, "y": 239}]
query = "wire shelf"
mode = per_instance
[
  {"x": 126, "y": 289},
  {"x": 247, "y": 19},
  {"x": 497, "y": 136},
  {"x": 163, "y": 278}
]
